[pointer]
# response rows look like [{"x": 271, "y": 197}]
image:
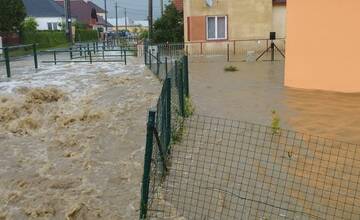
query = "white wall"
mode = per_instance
[
  {"x": 43, "y": 22},
  {"x": 279, "y": 21}
]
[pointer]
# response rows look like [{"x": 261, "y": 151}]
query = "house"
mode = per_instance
[
  {"x": 226, "y": 20},
  {"x": 322, "y": 49},
  {"x": 82, "y": 10},
  {"x": 48, "y": 15}
]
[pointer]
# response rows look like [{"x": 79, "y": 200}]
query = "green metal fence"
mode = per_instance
[
  {"x": 165, "y": 123},
  {"x": 202, "y": 168}
]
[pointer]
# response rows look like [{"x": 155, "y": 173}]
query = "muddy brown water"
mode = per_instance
[
  {"x": 72, "y": 141},
  {"x": 251, "y": 93}
]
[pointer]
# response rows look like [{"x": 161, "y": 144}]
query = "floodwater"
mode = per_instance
[
  {"x": 253, "y": 92},
  {"x": 72, "y": 140}
]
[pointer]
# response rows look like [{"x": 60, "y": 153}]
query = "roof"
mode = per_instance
[
  {"x": 81, "y": 10},
  {"x": 97, "y": 8},
  {"x": 43, "y": 8}
]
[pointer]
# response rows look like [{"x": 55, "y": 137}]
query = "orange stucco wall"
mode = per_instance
[{"x": 323, "y": 45}]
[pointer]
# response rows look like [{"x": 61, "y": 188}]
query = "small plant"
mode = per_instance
[
  {"x": 275, "y": 123},
  {"x": 189, "y": 107},
  {"x": 231, "y": 69}
]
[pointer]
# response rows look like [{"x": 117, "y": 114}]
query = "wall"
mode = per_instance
[
  {"x": 322, "y": 48},
  {"x": 279, "y": 20},
  {"x": 246, "y": 18},
  {"x": 42, "y": 22}
]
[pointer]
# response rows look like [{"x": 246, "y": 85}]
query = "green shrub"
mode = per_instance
[
  {"x": 86, "y": 35},
  {"x": 45, "y": 39},
  {"x": 231, "y": 69}
]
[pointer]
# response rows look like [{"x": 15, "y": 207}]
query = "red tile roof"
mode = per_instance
[{"x": 81, "y": 10}]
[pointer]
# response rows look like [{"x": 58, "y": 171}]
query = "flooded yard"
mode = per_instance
[
  {"x": 72, "y": 140},
  {"x": 251, "y": 93}
]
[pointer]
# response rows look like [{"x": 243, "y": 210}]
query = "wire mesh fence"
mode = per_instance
[
  {"x": 227, "y": 169},
  {"x": 165, "y": 124}
]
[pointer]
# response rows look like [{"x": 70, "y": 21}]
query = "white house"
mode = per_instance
[{"x": 48, "y": 14}]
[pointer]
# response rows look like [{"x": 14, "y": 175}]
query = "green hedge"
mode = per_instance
[
  {"x": 45, "y": 39},
  {"x": 86, "y": 35}
]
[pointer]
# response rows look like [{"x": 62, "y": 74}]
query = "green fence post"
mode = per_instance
[
  {"x": 103, "y": 51},
  {"x": 181, "y": 90},
  {"x": 94, "y": 48},
  {"x": 90, "y": 56},
  {"x": 150, "y": 59},
  {"x": 55, "y": 57},
  {"x": 157, "y": 63},
  {"x": 71, "y": 53},
  {"x": 125, "y": 56},
  {"x": 7, "y": 62},
  {"x": 35, "y": 56},
  {"x": 166, "y": 66},
  {"x": 168, "y": 113},
  {"x": 80, "y": 50},
  {"x": 147, "y": 165},
  {"x": 186, "y": 75}
]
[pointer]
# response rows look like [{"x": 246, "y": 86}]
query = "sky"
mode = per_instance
[{"x": 136, "y": 9}]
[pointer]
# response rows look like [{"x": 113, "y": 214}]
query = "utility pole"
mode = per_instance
[
  {"x": 106, "y": 26},
  {"x": 116, "y": 14},
  {"x": 150, "y": 18},
  {"x": 68, "y": 25},
  {"x": 126, "y": 23},
  {"x": 162, "y": 7}
]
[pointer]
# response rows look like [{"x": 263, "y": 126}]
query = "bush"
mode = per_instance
[
  {"x": 45, "y": 39},
  {"x": 29, "y": 25},
  {"x": 231, "y": 69},
  {"x": 86, "y": 35}
]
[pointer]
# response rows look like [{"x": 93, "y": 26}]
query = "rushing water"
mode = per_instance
[{"x": 72, "y": 138}]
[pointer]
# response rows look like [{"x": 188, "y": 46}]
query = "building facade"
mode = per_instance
[
  {"x": 322, "y": 48},
  {"x": 220, "y": 20}
]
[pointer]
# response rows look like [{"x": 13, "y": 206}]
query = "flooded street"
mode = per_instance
[
  {"x": 72, "y": 139},
  {"x": 251, "y": 93}
]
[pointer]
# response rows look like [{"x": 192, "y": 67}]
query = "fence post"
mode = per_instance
[
  {"x": 103, "y": 51},
  {"x": 94, "y": 48},
  {"x": 186, "y": 75},
  {"x": 55, "y": 57},
  {"x": 125, "y": 57},
  {"x": 71, "y": 53},
  {"x": 166, "y": 66},
  {"x": 35, "y": 56},
  {"x": 228, "y": 52},
  {"x": 147, "y": 165},
  {"x": 90, "y": 56},
  {"x": 180, "y": 80},
  {"x": 168, "y": 113},
  {"x": 157, "y": 63},
  {"x": 150, "y": 59},
  {"x": 234, "y": 47},
  {"x": 80, "y": 50},
  {"x": 7, "y": 62}
]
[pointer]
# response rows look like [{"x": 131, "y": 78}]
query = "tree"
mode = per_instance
[
  {"x": 29, "y": 25},
  {"x": 169, "y": 27},
  {"x": 12, "y": 14}
]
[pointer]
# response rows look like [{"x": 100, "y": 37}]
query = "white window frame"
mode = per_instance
[{"x": 216, "y": 27}]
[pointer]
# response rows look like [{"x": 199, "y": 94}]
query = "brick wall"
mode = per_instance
[{"x": 179, "y": 4}]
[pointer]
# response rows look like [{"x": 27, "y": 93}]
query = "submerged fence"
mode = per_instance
[{"x": 202, "y": 167}]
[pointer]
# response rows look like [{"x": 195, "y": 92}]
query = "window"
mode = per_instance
[
  {"x": 50, "y": 27},
  {"x": 216, "y": 27},
  {"x": 55, "y": 26}
]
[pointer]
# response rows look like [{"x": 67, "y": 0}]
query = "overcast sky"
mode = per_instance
[{"x": 136, "y": 9}]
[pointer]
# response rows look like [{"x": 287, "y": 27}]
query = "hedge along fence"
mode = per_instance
[
  {"x": 44, "y": 39},
  {"x": 86, "y": 35},
  {"x": 165, "y": 124}
]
